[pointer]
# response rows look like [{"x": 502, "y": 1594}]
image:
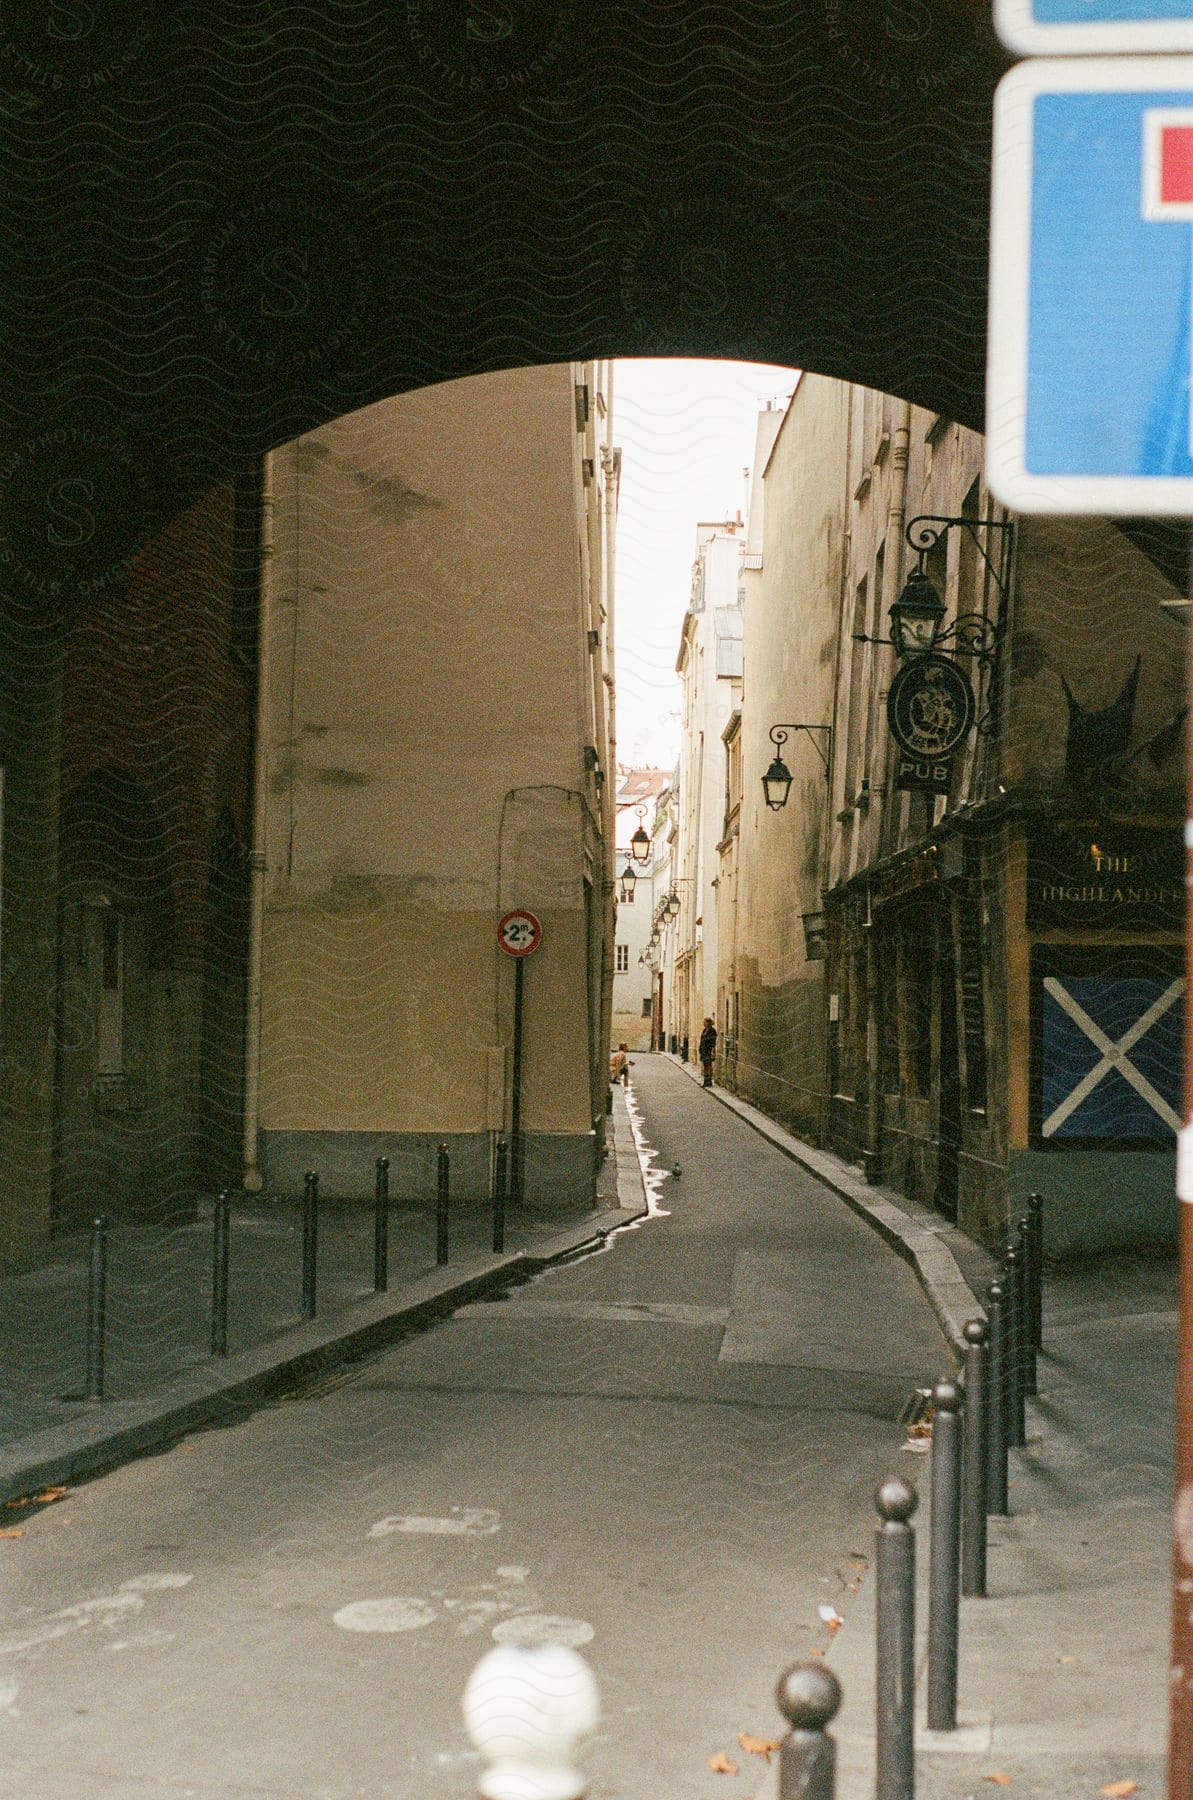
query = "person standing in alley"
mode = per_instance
[{"x": 707, "y": 1049}]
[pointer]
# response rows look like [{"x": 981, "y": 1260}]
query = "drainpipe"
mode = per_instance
[
  {"x": 892, "y": 577},
  {"x": 253, "y": 1180},
  {"x": 610, "y": 459}
]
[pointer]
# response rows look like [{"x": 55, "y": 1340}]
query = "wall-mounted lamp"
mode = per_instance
[
  {"x": 640, "y": 842},
  {"x": 629, "y": 880},
  {"x": 776, "y": 783}
]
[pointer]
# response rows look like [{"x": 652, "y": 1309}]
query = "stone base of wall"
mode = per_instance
[
  {"x": 560, "y": 1168},
  {"x": 1099, "y": 1200}
]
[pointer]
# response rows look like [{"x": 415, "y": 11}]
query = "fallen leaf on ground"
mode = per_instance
[
  {"x": 50, "y": 1493},
  {"x": 1066, "y": 1659},
  {"x": 13, "y": 1531},
  {"x": 831, "y": 1617},
  {"x": 721, "y": 1765},
  {"x": 999, "y": 1780},
  {"x": 817, "y": 1650},
  {"x": 1118, "y": 1790},
  {"x": 755, "y": 1746}
]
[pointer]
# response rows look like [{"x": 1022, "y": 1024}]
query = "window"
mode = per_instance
[{"x": 623, "y": 959}]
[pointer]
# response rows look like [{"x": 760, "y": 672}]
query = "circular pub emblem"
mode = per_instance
[
  {"x": 930, "y": 707},
  {"x": 519, "y": 933}
]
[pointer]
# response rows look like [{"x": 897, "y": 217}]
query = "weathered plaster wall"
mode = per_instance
[
  {"x": 429, "y": 656},
  {"x": 791, "y": 608}
]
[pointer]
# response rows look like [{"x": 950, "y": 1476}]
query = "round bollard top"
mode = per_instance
[
  {"x": 976, "y": 1331},
  {"x": 1035, "y": 1203},
  {"x": 896, "y": 1500},
  {"x": 525, "y": 1710},
  {"x": 946, "y": 1395},
  {"x": 808, "y": 1696},
  {"x": 1023, "y": 1227},
  {"x": 996, "y": 1293},
  {"x": 1011, "y": 1257}
]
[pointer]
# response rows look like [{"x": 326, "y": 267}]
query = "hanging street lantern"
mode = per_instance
[
  {"x": 916, "y": 617},
  {"x": 673, "y": 905},
  {"x": 640, "y": 842},
  {"x": 629, "y": 878},
  {"x": 776, "y": 783}
]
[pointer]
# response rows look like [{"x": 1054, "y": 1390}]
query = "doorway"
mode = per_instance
[{"x": 949, "y": 1091}]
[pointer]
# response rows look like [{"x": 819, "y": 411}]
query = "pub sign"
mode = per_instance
[
  {"x": 930, "y": 710},
  {"x": 1104, "y": 876}
]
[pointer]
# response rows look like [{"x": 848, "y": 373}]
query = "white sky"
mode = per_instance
[{"x": 686, "y": 431}]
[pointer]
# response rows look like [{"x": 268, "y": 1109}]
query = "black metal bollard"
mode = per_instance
[
  {"x": 1017, "y": 1411},
  {"x": 310, "y": 1243},
  {"x": 974, "y": 1460},
  {"x": 1035, "y": 1216},
  {"x": 442, "y": 1205},
  {"x": 97, "y": 1301},
  {"x": 808, "y": 1695},
  {"x": 1027, "y": 1262},
  {"x": 944, "y": 1597},
  {"x": 500, "y": 1189},
  {"x": 219, "y": 1275},
  {"x": 895, "y": 1640},
  {"x": 996, "y": 1401},
  {"x": 381, "y": 1226}
]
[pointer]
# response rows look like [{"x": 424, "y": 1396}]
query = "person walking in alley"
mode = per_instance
[{"x": 707, "y": 1049}]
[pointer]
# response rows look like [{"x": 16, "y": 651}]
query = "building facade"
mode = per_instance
[
  {"x": 637, "y": 898},
  {"x": 709, "y": 666},
  {"x": 417, "y": 788},
  {"x": 958, "y": 968}
]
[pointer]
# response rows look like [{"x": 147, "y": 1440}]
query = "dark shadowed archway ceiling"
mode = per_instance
[{"x": 227, "y": 222}]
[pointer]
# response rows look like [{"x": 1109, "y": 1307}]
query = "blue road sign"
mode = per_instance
[
  {"x": 1090, "y": 27},
  {"x": 1089, "y": 390}
]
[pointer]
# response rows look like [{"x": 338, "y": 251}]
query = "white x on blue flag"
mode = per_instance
[{"x": 1132, "y": 1080}]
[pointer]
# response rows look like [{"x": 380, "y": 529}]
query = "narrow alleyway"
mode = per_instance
[{"x": 669, "y": 1449}]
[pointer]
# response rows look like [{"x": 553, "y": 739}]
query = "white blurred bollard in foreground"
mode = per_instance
[{"x": 526, "y": 1710}]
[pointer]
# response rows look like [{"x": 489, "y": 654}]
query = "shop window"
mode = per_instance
[{"x": 1106, "y": 1047}]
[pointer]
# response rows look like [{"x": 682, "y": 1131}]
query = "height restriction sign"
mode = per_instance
[
  {"x": 519, "y": 933},
  {"x": 1089, "y": 393}
]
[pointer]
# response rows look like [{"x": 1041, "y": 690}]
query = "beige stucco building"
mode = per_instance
[
  {"x": 709, "y": 668},
  {"x": 437, "y": 749}
]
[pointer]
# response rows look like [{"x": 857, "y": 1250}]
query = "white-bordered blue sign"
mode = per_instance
[
  {"x": 1089, "y": 389},
  {"x": 1094, "y": 27}
]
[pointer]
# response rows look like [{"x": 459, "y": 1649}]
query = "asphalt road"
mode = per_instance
[{"x": 665, "y": 1452}]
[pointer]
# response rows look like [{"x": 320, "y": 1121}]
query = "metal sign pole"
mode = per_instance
[
  {"x": 1180, "y": 1738},
  {"x": 516, "y": 1166}
]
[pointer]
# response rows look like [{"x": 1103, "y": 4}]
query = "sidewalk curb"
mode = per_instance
[
  {"x": 102, "y": 1436},
  {"x": 949, "y": 1293}
]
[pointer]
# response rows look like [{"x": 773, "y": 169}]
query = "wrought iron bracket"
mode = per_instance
[{"x": 778, "y": 737}]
